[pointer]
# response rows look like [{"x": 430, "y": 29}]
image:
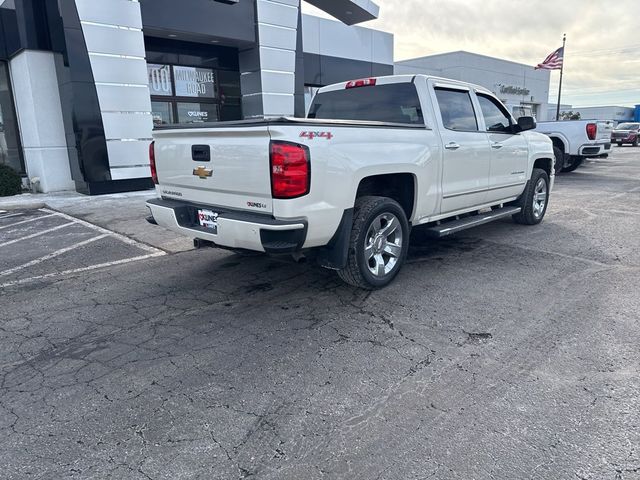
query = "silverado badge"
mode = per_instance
[{"x": 202, "y": 172}]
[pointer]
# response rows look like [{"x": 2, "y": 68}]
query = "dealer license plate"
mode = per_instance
[{"x": 208, "y": 220}]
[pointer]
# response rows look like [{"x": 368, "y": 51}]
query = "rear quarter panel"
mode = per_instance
[{"x": 342, "y": 156}]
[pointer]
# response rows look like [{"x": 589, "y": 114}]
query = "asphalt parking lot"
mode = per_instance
[
  {"x": 506, "y": 352},
  {"x": 42, "y": 244}
]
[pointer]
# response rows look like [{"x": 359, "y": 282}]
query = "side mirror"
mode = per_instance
[{"x": 526, "y": 123}]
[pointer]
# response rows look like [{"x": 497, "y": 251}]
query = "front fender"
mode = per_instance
[{"x": 540, "y": 148}]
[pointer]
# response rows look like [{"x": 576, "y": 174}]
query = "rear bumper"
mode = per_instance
[
  {"x": 236, "y": 229},
  {"x": 593, "y": 150}
]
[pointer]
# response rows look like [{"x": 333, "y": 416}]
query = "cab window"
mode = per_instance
[
  {"x": 456, "y": 110},
  {"x": 393, "y": 103},
  {"x": 495, "y": 117}
]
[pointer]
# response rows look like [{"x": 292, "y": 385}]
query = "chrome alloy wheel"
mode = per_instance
[
  {"x": 539, "y": 198},
  {"x": 383, "y": 244}
]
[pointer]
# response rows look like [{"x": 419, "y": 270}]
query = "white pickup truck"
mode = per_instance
[
  {"x": 374, "y": 158},
  {"x": 575, "y": 140}
]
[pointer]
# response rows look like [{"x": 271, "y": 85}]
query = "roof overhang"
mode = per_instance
[{"x": 348, "y": 11}]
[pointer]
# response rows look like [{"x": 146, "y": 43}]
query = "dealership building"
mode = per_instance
[
  {"x": 82, "y": 82},
  {"x": 524, "y": 90}
]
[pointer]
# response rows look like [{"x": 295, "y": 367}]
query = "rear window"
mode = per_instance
[{"x": 393, "y": 103}]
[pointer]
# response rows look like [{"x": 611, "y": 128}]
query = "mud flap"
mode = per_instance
[{"x": 334, "y": 255}]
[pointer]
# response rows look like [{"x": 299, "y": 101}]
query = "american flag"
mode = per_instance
[{"x": 553, "y": 61}]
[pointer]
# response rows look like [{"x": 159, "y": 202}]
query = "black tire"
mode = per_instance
[
  {"x": 575, "y": 163},
  {"x": 635, "y": 142},
  {"x": 559, "y": 154},
  {"x": 528, "y": 215},
  {"x": 367, "y": 211},
  {"x": 619, "y": 144}
]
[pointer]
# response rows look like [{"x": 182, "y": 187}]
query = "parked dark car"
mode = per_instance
[{"x": 626, "y": 133}]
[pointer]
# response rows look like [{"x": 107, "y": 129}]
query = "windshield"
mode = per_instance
[
  {"x": 392, "y": 103},
  {"x": 628, "y": 126}
]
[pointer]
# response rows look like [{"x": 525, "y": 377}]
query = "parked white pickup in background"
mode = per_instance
[{"x": 575, "y": 140}]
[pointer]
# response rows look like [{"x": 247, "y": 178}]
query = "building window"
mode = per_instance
[
  {"x": 181, "y": 94},
  {"x": 197, "y": 112},
  {"x": 309, "y": 93},
  {"x": 194, "y": 82},
  {"x": 160, "y": 81},
  {"x": 10, "y": 150},
  {"x": 162, "y": 113},
  {"x": 525, "y": 110}
]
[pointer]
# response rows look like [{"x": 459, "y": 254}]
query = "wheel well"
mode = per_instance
[
  {"x": 545, "y": 164},
  {"x": 399, "y": 186},
  {"x": 558, "y": 143}
]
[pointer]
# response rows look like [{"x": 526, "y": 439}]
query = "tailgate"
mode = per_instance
[
  {"x": 604, "y": 131},
  {"x": 227, "y": 167}
]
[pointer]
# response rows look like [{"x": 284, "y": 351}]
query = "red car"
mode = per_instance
[{"x": 626, "y": 133}]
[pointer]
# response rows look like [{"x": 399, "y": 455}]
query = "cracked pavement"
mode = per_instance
[{"x": 506, "y": 352}]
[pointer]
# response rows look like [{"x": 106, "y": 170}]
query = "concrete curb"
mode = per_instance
[{"x": 22, "y": 206}]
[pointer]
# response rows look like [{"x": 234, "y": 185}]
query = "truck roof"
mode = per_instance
[{"x": 408, "y": 78}]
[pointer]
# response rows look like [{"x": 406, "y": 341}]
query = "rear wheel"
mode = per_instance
[
  {"x": 619, "y": 144},
  {"x": 378, "y": 245},
  {"x": 559, "y": 154},
  {"x": 635, "y": 142},
  {"x": 575, "y": 163},
  {"x": 534, "y": 200}
]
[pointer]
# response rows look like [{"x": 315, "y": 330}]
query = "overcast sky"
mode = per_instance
[{"x": 602, "y": 61}]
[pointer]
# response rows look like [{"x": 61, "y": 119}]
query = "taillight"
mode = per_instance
[
  {"x": 290, "y": 170},
  {"x": 152, "y": 162},
  {"x": 592, "y": 129},
  {"x": 363, "y": 82}
]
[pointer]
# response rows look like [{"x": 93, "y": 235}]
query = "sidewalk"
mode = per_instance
[{"x": 123, "y": 213}]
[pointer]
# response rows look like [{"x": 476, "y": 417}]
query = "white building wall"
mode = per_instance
[
  {"x": 39, "y": 113},
  {"x": 268, "y": 70},
  {"x": 113, "y": 34},
  {"x": 322, "y": 36},
  {"x": 491, "y": 73}
]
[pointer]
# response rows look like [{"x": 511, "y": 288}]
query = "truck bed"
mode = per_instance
[{"x": 284, "y": 121}]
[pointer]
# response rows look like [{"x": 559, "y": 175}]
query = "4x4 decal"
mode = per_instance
[{"x": 312, "y": 135}]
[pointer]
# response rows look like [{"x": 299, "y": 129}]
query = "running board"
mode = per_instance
[{"x": 455, "y": 226}]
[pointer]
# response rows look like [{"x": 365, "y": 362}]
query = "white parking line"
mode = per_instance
[
  {"x": 122, "y": 238},
  {"x": 80, "y": 270},
  {"x": 38, "y": 234},
  {"x": 150, "y": 251},
  {"x": 11, "y": 215},
  {"x": 26, "y": 221},
  {"x": 51, "y": 255}
]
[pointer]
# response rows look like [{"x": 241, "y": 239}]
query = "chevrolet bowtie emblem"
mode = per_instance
[{"x": 202, "y": 172}]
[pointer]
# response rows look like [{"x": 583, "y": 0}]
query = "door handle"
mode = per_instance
[
  {"x": 497, "y": 145},
  {"x": 452, "y": 146}
]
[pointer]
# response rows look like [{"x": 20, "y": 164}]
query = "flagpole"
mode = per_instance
[{"x": 564, "y": 42}]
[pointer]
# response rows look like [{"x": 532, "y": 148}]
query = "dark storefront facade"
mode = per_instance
[
  {"x": 187, "y": 84},
  {"x": 82, "y": 83},
  {"x": 10, "y": 149}
]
